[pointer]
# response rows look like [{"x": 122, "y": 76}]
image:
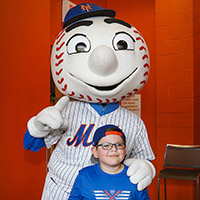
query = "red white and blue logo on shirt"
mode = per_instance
[{"x": 112, "y": 194}]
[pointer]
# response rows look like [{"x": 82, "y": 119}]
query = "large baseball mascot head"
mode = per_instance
[{"x": 98, "y": 60}]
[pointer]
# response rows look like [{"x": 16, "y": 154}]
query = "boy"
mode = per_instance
[{"x": 107, "y": 179}]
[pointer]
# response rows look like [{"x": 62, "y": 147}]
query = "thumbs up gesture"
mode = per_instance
[{"x": 49, "y": 119}]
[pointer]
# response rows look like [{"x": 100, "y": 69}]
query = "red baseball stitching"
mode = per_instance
[
  {"x": 99, "y": 100},
  {"x": 145, "y": 56},
  {"x": 60, "y": 39},
  {"x": 129, "y": 94},
  {"x": 123, "y": 97},
  {"x": 143, "y": 82},
  {"x": 72, "y": 94},
  {"x": 142, "y": 48},
  {"x": 59, "y": 72},
  {"x": 60, "y": 34},
  {"x": 59, "y": 56},
  {"x": 61, "y": 80},
  {"x": 81, "y": 96},
  {"x": 137, "y": 32},
  {"x": 146, "y": 65},
  {"x": 139, "y": 38},
  {"x": 58, "y": 48},
  {"x": 89, "y": 98},
  {"x": 59, "y": 62},
  {"x": 64, "y": 88}
]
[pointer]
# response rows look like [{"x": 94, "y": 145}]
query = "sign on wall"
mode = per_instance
[{"x": 133, "y": 104}]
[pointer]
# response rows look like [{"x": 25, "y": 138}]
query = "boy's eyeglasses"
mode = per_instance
[{"x": 109, "y": 146}]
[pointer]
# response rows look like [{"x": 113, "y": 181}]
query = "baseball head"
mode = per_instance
[{"x": 98, "y": 58}]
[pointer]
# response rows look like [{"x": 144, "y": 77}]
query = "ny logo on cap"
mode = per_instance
[{"x": 86, "y": 7}]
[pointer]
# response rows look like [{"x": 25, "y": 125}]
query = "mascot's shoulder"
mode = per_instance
[
  {"x": 125, "y": 110},
  {"x": 77, "y": 105},
  {"x": 76, "y": 102},
  {"x": 130, "y": 115}
]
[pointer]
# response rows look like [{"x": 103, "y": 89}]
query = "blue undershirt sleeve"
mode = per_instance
[{"x": 32, "y": 143}]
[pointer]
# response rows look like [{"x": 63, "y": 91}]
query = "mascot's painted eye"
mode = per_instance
[
  {"x": 78, "y": 43},
  {"x": 123, "y": 41},
  {"x": 81, "y": 47}
]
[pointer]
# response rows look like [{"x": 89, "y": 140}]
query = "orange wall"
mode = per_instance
[
  {"x": 174, "y": 84},
  {"x": 196, "y": 32},
  {"x": 24, "y": 87}
]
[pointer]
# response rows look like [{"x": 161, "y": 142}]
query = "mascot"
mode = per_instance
[{"x": 97, "y": 60}]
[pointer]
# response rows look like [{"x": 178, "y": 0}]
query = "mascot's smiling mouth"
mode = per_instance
[{"x": 111, "y": 87}]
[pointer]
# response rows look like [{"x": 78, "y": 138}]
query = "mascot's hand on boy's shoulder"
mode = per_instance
[
  {"x": 49, "y": 119},
  {"x": 141, "y": 172}
]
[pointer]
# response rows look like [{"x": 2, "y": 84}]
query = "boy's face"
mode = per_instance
[{"x": 112, "y": 157}]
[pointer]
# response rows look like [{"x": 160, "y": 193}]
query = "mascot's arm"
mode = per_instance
[
  {"x": 46, "y": 122},
  {"x": 141, "y": 172},
  {"x": 49, "y": 119},
  {"x": 31, "y": 143}
]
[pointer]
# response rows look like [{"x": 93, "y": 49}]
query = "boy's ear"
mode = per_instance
[{"x": 94, "y": 152}]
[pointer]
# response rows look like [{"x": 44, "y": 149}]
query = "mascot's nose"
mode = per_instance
[{"x": 102, "y": 61}]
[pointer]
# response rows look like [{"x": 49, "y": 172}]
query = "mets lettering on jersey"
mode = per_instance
[{"x": 81, "y": 137}]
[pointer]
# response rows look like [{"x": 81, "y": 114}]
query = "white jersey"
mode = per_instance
[{"x": 73, "y": 151}]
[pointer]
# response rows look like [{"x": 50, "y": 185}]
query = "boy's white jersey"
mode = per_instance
[{"x": 73, "y": 151}]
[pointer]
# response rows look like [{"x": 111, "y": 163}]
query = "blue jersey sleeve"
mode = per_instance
[{"x": 32, "y": 143}]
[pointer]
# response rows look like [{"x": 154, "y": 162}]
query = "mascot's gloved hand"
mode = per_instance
[
  {"x": 50, "y": 118},
  {"x": 141, "y": 172}
]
